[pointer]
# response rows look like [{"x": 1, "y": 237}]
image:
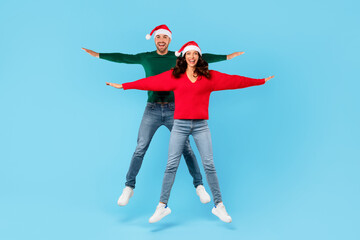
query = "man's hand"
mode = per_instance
[
  {"x": 235, "y": 54},
  {"x": 268, "y": 78},
  {"x": 92, "y": 53},
  {"x": 115, "y": 85}
]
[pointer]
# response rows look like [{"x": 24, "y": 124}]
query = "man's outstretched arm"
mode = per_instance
[
  {"x": 235, "y": 54},
  {"x": 91, "y": 52},
  {"x": 116, "y": 57},
  {"x": 212, "y": 58}
]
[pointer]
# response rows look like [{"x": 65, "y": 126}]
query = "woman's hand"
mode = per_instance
[
  {"x": 115, "y": 85},
  {"x": 91, "y": 52},
  {"x": 268, "y": 78}
]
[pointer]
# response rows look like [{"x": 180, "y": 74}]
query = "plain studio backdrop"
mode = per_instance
[{"x": 286, "y": 153}]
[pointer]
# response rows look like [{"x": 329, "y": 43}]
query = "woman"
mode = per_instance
[{"x": 192, "y": 83}]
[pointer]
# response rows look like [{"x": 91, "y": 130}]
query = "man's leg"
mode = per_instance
[
  {"x": 151, "y": 121},
  {"x": 188, "y": 153}
]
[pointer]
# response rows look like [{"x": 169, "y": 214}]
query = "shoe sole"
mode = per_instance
[
  {"x": 206, "y": 201},
  {"x": 161, "y": 216},
  {"x": 215, "y": 213}
]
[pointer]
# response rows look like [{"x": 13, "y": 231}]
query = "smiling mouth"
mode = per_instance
[
  {"x": 161, "y": 44},
  {"x": 192, "y": 61}
]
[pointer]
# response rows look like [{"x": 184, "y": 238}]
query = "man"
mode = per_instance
[{"x": 160, "y": 107}]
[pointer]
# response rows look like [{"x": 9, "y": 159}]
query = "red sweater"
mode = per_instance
[{"x": 192, "y": 99}]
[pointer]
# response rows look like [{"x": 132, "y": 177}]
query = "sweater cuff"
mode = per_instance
[{"x": 126, "y": 86}]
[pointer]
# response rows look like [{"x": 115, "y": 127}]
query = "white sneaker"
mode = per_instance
[
  {"x": 125, "y": 196},
  {"x": 161, "y": 211},
  {"x": 201, "y": 192},
  {"x": 220, "y": 211}
]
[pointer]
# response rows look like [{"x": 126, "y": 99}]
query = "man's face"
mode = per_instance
[{"x": 162, "y": 42}]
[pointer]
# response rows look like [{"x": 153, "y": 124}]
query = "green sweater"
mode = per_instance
[{"x": 154, "y": 64}]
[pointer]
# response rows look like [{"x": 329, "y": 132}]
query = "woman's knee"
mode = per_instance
[{"x": 209, "y": 165}]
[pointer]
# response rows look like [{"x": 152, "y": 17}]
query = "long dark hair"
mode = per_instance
[{"x": 201, "y": 68}]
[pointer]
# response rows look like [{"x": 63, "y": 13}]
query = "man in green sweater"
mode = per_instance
[{"x": 160, "y": 107}]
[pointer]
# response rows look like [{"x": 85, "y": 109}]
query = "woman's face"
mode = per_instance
[{"x": 192, "y": 58}]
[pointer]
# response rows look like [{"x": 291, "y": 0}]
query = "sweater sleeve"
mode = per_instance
[
  {"x": 122, "y": 57},
  {"x": 211, "y": 58},
  {"x": 161, "y": 82},
  {"x": 222, "y": 81}
]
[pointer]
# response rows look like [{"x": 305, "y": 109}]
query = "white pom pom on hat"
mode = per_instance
[
  {"x": 177, "y": 53},
  {"x": 148, "y": 36}
]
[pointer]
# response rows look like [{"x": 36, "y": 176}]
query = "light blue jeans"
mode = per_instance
[
  {"x": 156, "y": 115},
  {"x": 180, "y": 133}
]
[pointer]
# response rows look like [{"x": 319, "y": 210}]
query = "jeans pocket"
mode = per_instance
[
  {"x": 149, "y": 109},
  {"x": 150, "y": 106}
]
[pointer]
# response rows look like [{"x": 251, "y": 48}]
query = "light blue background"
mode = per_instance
[{"x": 287, "y": 153}]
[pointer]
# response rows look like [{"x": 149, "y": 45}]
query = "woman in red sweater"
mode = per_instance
[{"x": 192, "y": 83}]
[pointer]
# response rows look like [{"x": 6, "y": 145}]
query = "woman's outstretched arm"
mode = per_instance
[
  {"x": 268, "y": 78},
  {"x": 222, "y": 81},
  {"x": 161, "y": 82},
  {"x": 115, "y": 85}
]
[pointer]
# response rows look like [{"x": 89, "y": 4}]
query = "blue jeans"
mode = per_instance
[
  {"x": 156, "y": 115},
  {"x": 179, "y": 136}
]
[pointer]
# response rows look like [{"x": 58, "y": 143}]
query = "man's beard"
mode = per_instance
[{"x": 163, "y": 49}]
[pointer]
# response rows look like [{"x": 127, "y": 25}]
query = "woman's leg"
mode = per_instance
[
  {"x": 189, "y": 156},
  {"x": 179, "y": 133},
  {"x": 202, "y": 137}
]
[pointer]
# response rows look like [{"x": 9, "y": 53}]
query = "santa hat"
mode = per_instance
[
  {"x": 161, "y": 29},
  {"x": 187, "y": 47}
]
